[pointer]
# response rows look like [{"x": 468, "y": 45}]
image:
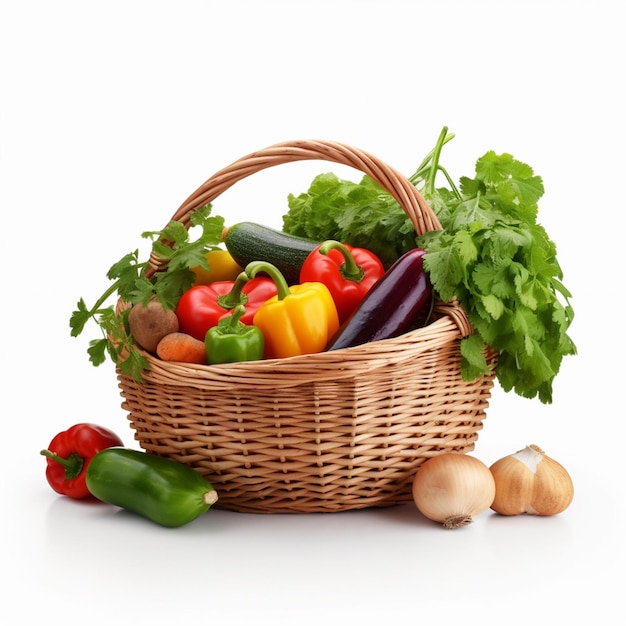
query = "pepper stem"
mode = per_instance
[
  {"x": 235, "y": 297},
  {"x": 254, "y": 267},
  {"x": 349, "y": 269},
  {"x": 230, "y": 325},
  {"x": 73, "y": 464}
]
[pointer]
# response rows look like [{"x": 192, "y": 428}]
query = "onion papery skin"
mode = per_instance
[
  {"x": 453, "y": 488},
  {"x": 530, "y": 482}
]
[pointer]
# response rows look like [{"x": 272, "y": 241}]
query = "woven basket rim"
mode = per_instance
[{"x": 322, "y": 366}]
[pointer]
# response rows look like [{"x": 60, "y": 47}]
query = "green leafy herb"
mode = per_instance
[
  {"x": 491, "y": 254},
  {"x": 360, "y": 213},
  {"x": 135, "y": 282}
]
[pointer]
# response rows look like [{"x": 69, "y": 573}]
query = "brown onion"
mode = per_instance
[
  {"x": 453, "y": 488},
  {"x": 531, "y": 482}
]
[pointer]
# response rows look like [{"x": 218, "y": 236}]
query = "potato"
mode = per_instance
[{"x": 149, "y": 324}]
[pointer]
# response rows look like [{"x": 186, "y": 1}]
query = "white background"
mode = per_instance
[{"x": 113, "y": 112}]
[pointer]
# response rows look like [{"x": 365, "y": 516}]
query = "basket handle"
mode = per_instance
[{"x": 406, "y": 194}]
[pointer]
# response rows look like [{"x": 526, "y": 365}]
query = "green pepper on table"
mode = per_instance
[{"x": 231, "y": 340}]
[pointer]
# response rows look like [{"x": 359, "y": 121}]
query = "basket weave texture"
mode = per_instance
[{"x": 333, "y": 431}]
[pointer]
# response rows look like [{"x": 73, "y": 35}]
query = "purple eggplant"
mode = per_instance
[{"x": 394, "y": 304}]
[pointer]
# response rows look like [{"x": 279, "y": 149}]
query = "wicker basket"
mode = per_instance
[{"x": 332, "y": 431}]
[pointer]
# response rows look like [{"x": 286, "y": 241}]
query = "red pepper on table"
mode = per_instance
[
  {"x": 69, "y": 454},
  {"x": 203, "y": 306},
  {"x": 348, "y": 272}
]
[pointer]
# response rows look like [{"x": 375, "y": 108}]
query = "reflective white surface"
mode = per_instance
[{"x": 112, "y": 114}]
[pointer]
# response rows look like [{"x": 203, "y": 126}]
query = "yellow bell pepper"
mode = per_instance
[
  {"x": 300, "y": 319},
  {"x": 222, "y": 266}
]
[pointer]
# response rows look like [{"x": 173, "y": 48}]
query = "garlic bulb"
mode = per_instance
[
  {"x": 452, "y": 488},
  {"x": 531, "y": 482}
]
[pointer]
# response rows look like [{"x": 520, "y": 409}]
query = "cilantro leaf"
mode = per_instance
[
  {"x": 474, "y": 361},
  {"x": 491, "y": 255},
  {"x": 134, "y": 282},
  {"x": 79, "y": 318},
  {"x": 511, "y": 288}
]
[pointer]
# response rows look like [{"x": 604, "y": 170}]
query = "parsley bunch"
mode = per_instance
[
  {"x": 361, "y": 214},
  {"x": 491, "y": 254},
  {"x": 134, "y": 282}
]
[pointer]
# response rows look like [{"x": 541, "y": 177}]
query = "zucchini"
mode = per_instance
[
  {"x": 248, "y": 241},
  {"x": 162, "y": 490}
]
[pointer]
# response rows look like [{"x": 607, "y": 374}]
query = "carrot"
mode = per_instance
[{"x": 181, "y": 347}]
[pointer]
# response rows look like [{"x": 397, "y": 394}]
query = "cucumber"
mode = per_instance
[
  {"x": 247, "y": 241},
  {"x": 162, "y": 490}
]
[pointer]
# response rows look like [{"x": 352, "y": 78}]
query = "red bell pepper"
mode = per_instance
[
  {"x": 203, "y": 306},
  {"x": 348, "y": 272},
  {"x": 70, "y": 453}
]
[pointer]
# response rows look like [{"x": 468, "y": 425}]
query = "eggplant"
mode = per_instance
[{"x": 392, "y": 306}]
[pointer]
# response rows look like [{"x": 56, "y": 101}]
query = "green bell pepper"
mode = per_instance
[{"x": 232, "y": 341}]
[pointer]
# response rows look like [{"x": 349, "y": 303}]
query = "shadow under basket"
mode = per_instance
[{"x": 332, "y": 431}]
